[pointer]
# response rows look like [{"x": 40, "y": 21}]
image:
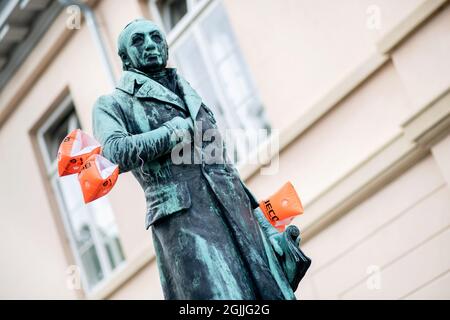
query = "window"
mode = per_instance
[
  {"x": 172, "y": 11},
  {"x": 91, "y": 228},
  {"x": 205, "y": 51}
]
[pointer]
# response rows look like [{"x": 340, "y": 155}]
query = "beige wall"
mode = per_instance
[
  {"x": 369, "y": 161},
  {"x": 306, "y": 47},
  {"x": 408, "y": 218},
  {"x": 352, "y": 131},
  {"x": 35, "y": 265},
  {"x": 403, "y": 233}
]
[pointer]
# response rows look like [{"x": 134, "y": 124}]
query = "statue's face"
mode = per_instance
[{"x": 146, "y": 47}]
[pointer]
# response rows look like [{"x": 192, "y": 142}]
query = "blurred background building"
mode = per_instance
[{"x": 356, "y": 92}]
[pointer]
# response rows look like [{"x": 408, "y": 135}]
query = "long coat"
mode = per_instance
[{"x": 208, "y": 243}]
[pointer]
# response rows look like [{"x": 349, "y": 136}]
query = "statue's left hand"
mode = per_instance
[
  {"x": 275, "y": 240},
  {"x": 271, "y": 232}
]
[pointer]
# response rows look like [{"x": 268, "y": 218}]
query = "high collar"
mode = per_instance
[
  {"x": 140, "y": 85},
  {"x": 165, "y": 73},
  {"x": 133, "y": 78}
]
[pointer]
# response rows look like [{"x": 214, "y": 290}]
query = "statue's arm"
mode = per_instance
[
  {"x": 124, "y": 149},
  {"x": 269, "y": 230},
  {"x": 266, "y": 226}
]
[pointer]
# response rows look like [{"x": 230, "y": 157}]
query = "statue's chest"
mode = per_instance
[
  {"x": 150, "y": 114},
  {"x": 159, "y": 113}
]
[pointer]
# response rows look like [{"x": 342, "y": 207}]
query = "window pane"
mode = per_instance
[
  {"x": 107, "y": 229},
  {"x": 70, "y": 191},
  {"x": 233, "y": 81},
  {"x": 56, "y": 134},
  {"x": 81, "y": 229},
  {"x": 91, "y": 228},
  {"x": 226, "y": 57},
  {"x": 91, "y": 266},
  {"x": 189, "y": 60},
  {"x": 80, "y": 225},
  {"x": 114, "y": 251},
  {"x": 178, "y": 9},
  {"x": 252, "y": 114},
  {"x": 210, "y": 59},
  {"x": 217, "y": 32},
  {"x": 172, "y": 11}
]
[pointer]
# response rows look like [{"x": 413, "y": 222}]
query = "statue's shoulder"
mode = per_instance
[
  {"x": 106, "y": 100},
  {"x": 110, "y": 101},
  {"x": 107, "y": 105}
]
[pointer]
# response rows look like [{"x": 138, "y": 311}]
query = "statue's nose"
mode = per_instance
[{"x": 149, "y": 44}]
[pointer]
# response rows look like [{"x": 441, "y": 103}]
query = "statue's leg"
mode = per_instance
[
  {"x": 259, "y": 260},
  {"x": 197, "y": 254},
  {"x": 237, "y": 215}
]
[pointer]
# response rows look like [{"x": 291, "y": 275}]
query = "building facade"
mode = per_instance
[{"x": 354, "y": 97}]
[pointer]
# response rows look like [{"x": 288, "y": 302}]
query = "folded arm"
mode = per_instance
[{"x": 128, "y": 150}]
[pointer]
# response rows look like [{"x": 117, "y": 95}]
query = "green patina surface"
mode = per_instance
[{"x": 209, "y": 242}]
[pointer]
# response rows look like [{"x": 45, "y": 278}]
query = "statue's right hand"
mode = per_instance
[
  {"x": 180, "y": 123},
  {"x": 181, "y": 128}
]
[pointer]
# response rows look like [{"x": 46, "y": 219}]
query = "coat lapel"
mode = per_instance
[
  {"x": 148, "y": 88},
  {"x": 191, "y": 98}
]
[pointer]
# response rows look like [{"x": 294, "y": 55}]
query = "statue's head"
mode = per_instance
[{"x": 142, "y": 46}]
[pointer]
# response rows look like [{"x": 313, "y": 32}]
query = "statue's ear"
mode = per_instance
[{"x": 126, "y": 62}]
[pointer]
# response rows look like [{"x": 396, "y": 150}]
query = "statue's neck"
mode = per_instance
[
  {"x": 158, "y": 75},
  {"x": 155, "y": 75},
  {"x": 165, "y": 77}
]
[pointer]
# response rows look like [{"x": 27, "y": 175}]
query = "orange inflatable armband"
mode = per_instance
[
  {"x": 97, "y": 177},
  {"x": 281, "y": 208},
  {"x": 73, "y": 152}
]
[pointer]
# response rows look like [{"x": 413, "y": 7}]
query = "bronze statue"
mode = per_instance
[{"x": 211, "y": 240}]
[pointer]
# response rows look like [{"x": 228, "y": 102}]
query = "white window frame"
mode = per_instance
[
  {"x": 193, "y": 11},
  {"x": 52, "y": 176}
]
